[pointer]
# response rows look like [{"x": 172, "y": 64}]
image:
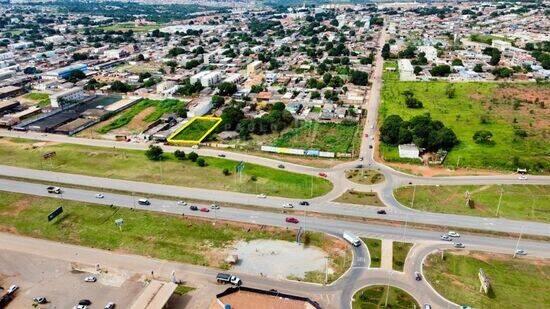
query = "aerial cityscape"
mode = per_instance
[{"x": 262, "y": 154}]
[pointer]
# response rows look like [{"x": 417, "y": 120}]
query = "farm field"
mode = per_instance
[
  {"x": 519, "y": 202},
  {"x": 515, "y": 283},
  {"x": 144, "y": 112},
  {"x": 374, "y": 297},
  {"x": 334, "y": 137},
  {"x": 195, "y": 130},
  {"x": 375, "y": 251},
  {"x": 133, "y": 165},
  {"x": 516, "y": 115}
]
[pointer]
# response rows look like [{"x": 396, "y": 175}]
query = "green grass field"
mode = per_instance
[
  {"x": 364, "y": 176},
  {"x": 360, "y": 198},
  {"x": 374, "y": 297},
  {"x": 42, "y": 99},
  {"x": 133, "y": 165},
  {"x": 161, "y": 107},
  {"x": 130, "y": 26},
  {"x": 334, "y": 137},
  {"x": 195, "y": 130},
  {"x": 375, "y": 251},
  {"x": 479, "y": 106},
  {"x": 145, "y": 233},
  {"x": 515, "y": 283},
  {"x": 400, "y": 252},
  {"x": 519, "y": 202}
]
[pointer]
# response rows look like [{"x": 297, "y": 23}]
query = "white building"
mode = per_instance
[
  {"x": 197, "y": 77},
  {"x": 211, "y": 79},
  {"x": 67, "y": 97},
  {"x": 199, "y": 107},
  {"x": 252, "y": 67},
  {"x": 55, "y": 39},
  {"x": 233, "y": 78},
  {"x": 406, "y": 70},
  {"x": 6, "y": 56},
  {"x": 270, "y": 77},
  {"x": 410, "y": 151},
  {"x": 429, "y": 51},
  {"x": 501, "y": 45}
]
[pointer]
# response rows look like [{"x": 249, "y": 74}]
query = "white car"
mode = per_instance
[
  {"x": 446, "y": 237},
  {"x": 214, "y": 206},
  {"x": 288, "y": 205},
  {"x": 182, "y": 203},
  {"x": 80, "y": 307},
  {"x": 261, "y": 196},
  {"x": 99, "y": 195},
  {"x": 12, "y": 289},
  {"x": 459, "y": 245},
  {"x": 522, "y": 177},
  {"x": 521, "y": 252},
  {"x": 110, "y": 305},
  {"x": 90, "y": 279},
  {"x": 453, "y": 234}
]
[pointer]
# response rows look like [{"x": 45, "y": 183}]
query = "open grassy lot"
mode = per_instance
[
  {"x": 375, "y": 251},
  {"x": 515, "y": 283},
  {"x": 360, "y": 198},
  {"x": 133, "y": 165},
  {"x": 374, "y": 297},
  {"x": 197, "y": 129},
  {"x": 42, "y": 99},
  {"x": 364, "y": 176},
  {"x": 334, "y": 137},
  {"x": 158, "y": 108},
  {"x": 400, "y": 252},
  {"x": 519, "y": 202},
  {"x": 161, "y": 236},
  {"x": 130, "y": 26},
  {"x": 141, "y": 67},
  {"x": 516, "y": 115}
]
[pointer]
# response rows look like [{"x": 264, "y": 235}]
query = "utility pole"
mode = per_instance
[{"x": 499, "y": 200}]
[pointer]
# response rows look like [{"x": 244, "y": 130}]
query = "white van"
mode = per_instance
[
  {"x": 144, "y": 201},
  {"x": 352, "y": 239}
]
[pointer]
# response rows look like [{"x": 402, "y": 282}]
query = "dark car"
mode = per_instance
[
  {"x": 304, "y": 203},
  {"x": 370, "y": 146},
  {"x": 84, "y": 302},
  {"x": 417, "y": 276},
  {"x": 221, "y": 155},
  {"x": 281, "y": 166},
  {"x": 381, "y": 212},
  {"x": 194, "y": 208},
  {"x": 292, "y": 220}
]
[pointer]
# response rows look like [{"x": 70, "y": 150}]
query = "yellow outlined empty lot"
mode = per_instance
[{"x": 194, "y": 131}]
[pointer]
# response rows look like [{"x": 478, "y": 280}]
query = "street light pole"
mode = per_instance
[
  {"x": 499, "y": 200},
  {"x": 517, "y": 244},
  {"x": 414, "y": 194}
]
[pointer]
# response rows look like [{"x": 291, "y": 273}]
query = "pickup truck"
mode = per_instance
[
  {"x": 55, "y": 190},
  {"x": 227, "y": 278}
]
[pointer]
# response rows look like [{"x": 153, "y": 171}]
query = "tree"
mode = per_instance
[
  {"x": 502, "y": 72},
  {"x": 408, "y": 52},
  {"x": 179, "y": 154},
  {"x": 442, "y": 70},
  {"x": 478, "y": 68},
  {"x": 483, "y": 137},
  {"x": 386, "y": 51},
  {"x": 334, "y": 23},
  {"x": 75, "y": 76},
  {"x": 217, "y": 101},
  {"x": 411, "y": 101},
  {"x": 417, "y": 70},
  {"x": 79, "y": 56},
  {"x": 315, "y": 95},
  {"x": 227, "y": 89},
  {"x": 154, "y": 153},
  {"x": 226, "y": 172},
  {"x": 389, "y": 131},
  {"x": 494, "y": 53},
  {"x": 193, "y": 156},
  {"x": 457, "y": 62},
  {"x": 359, "y": 78},
  {"x": 201, "y": 162},
  {"x": 257, "y": 88},
  {"x": 231, "y": 116},
  {"x": 327, "y": 77},
  {"x": 118, "y": 86},
  {"x": 278, "y": 106},
  {"x": 140, "y": 57},
  {"x": 450, "y": 91}
]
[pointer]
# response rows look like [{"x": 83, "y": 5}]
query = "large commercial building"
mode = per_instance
[
  {"x": 65, "y": 72},
  {"x": 67, "y": 97}
]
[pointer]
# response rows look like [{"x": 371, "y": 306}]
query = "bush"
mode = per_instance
[
  {"x": 253, "y": 178},
  {"x": 154, "y": 153},
  {"x": 201, "y": 162},
  {"x": 483, "y": 137},
  {"x": 226, "y": 172},
  {"x": 441, "y": 70},
  {"x": 193, "y": 156},
  {"x": 179, "y": 154}
]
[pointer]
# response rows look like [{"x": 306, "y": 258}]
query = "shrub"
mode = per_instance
[
  {"x": 154, "y": 153},
  {"x": 483, "y": 137},
  {"x": 201, "y": 162},
  {"x": 193, "y": 156},
  {"x": 226, "y": 172},
  {"x": 179, "y": 154}
]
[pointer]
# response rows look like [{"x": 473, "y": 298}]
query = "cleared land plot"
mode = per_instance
[
  {"x": 374, "y": 297},
  {"x": 515, "y": 283},
  {"x": 195, "y": 130},
  {"x": 130, "y": 26},
  {"x": 360, "y": 198},
  {"x": 133, "y": 165},
  {"x": 42, "y": 99},
  {"x": 519, "y": 202},
  {"x": 364, "y": 176},
  {"x": 375, "y": 251},
  {"x": 400, "y": 252},
  {"x": 142, "y": 67},
  {"x": 156, "y": 110},
  {"x": 508, "y": 111},
  {"x": 334, "y": 137}
]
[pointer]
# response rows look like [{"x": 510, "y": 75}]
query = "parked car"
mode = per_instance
[
  {"x": 90, "y": 279},
  {"x": 521, "y": 252},
  {"x": 381, "y": 212},
  {"x": 99, "y": 195},
  {"x": 453, "y": 234},
  {"x": 182, "y": 203},
  {"x": 12, "y": 289},
  {"x": 304, "y": 203},
  {"x": 288, "y": 205},
  {"x": 359, "y": 166},
  {"x": 323, "y": 174},
  {"x": 459, "y": 245},
  {"x": 214, "y": 206},
  {"x": 417, "y": 276},
  {"x": 144, "y": 201},
  {"x": 54, "y": 190},
  {"x": 204, "y": 209},
  {"x": 361, "y": 159},
  {"x": 281, "y": 166},
  {"x": 366, "y": 134},
  {"x": 292, "y": 220},
  {"x": 80, "y": 307},
  {"x": 446, "y": 237},
  {"x": 227, "y": 278},
  {"x": 40, "y": 300},
  {"x": 261, "y": 196},
  {"x": 193, "y": 208},
  {"x": 110, "y": 305}
]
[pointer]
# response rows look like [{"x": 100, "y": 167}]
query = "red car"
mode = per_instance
[
  {"x": 366, "y": 134},
  {"x": 292, "y": 220},
  {"x": 323, "y": 174},
  {"x": 204, "y": 209}
]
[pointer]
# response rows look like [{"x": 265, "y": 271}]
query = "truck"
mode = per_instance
[
  {"x": 55, "y": 190},
  {"x": 227, "y": 278},
  {"x": 352, "y": 239}
]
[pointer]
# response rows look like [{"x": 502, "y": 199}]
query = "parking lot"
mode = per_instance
[{"x": 62, "y": 283}]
